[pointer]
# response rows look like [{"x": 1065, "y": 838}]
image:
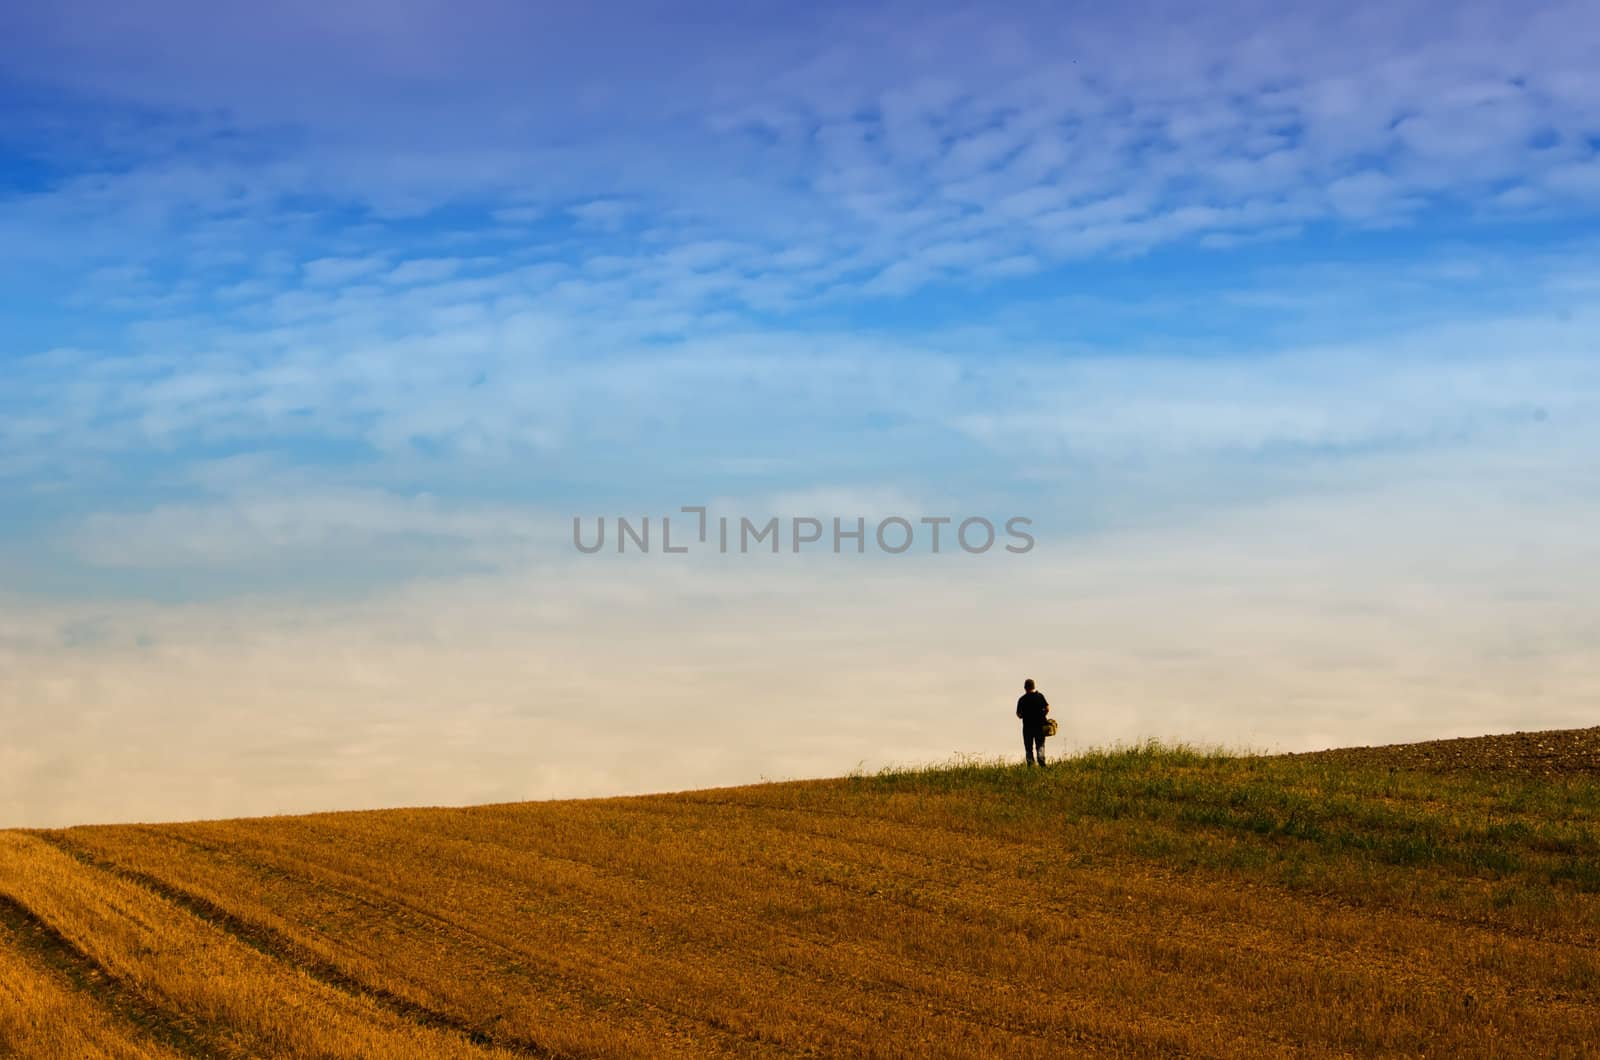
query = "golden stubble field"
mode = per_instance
[{"x": 1141, "y": 901}]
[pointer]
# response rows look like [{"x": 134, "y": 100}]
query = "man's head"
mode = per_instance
[{"x": 1027, "y": 686}]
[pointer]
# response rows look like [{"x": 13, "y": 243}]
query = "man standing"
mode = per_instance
[{"x": 1032, "y": 708}]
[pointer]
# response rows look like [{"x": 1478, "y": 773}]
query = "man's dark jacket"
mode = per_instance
[{"x": 1031, "y": 709}]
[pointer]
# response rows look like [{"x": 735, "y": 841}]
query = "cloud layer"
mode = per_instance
[{"x": 321, "y": 326}]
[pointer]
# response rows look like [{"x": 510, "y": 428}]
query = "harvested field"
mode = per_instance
[{"x": 1442, "y": 899}]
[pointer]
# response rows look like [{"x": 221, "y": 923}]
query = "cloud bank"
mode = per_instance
[{"x": 1278, "y": 321}]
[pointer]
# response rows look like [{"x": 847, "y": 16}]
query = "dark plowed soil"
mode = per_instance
[{"x": 1554, "y": 752}]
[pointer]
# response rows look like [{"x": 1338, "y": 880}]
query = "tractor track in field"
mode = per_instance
[
  {"x": 271, "y": 943},
  {"x": 739, "y": 1039},
  {"x": 361, "y": 891},
  {"x": 35, "y": 937}
]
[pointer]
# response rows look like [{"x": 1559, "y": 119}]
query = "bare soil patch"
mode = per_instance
[{"x": 1551, "y": 752}]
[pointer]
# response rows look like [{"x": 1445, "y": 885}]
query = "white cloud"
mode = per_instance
[
  {"x": 601, "y": 213},
  {"x": 1371, "y": 196},
  {"x": 271, "y": 524},
  {"x": 333, "y": 272},
  {"x": 520, "y": 215},
  {"x": 424, "y": 270},
  {"x": 1580, "y": 180},
  {"x": 521, "y": 361},
  {"x": 1056, "y": 138}
]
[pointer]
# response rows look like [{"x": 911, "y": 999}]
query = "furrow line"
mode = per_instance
[
  {"x": 273, "y": 944},
  {"x": 37, "y": 938}
]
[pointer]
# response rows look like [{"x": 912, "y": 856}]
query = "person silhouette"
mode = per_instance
[{"x": 1032, "y": 709}]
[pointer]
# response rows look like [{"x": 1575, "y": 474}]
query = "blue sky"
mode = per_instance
[{"x": 340, "y": 314}]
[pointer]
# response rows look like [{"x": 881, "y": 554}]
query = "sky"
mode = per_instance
[{"x": 1279, "y": 324}]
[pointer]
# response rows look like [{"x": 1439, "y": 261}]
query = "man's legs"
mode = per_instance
[{"x": 1033, "y": 738}]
